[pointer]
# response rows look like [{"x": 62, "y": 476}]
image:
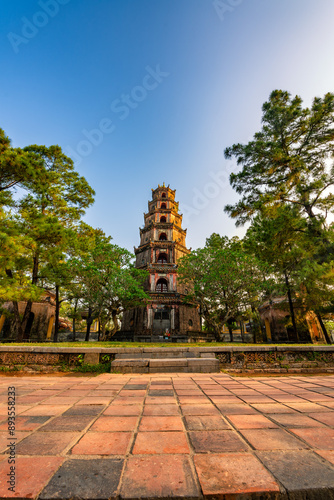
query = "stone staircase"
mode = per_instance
[{"x": 165, "y": 360}]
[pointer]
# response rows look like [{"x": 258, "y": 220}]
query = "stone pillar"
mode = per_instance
[
  {"x": 171, "y": 284},
  {"x": 149, "y": 317},
  {"x": 172, "y": 319}
]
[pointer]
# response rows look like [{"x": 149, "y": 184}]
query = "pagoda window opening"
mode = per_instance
[
  {"x": 162, "y": 286},
  {"x": 163, "y": 237},
  {"x": 163, "y": 219},
  {"x": 163, "y": 206},
  {"x": 163, "y": 195},
  {"x": 162, "y": 258}
]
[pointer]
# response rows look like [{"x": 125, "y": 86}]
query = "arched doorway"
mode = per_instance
[{"x": 161, "y": 320}]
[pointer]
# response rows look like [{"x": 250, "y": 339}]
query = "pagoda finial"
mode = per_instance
[{"x": 163, "y": 185}]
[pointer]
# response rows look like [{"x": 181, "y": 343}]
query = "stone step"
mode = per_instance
[
  {"x": 162, "y": 354},
  {"x": 166, "y": 365}
]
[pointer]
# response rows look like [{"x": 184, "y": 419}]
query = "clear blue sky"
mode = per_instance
[{"x": 170, "y": 83}]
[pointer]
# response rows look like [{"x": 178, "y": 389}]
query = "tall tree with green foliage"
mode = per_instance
[
  {"x": 109, "y": 281},
  {"x": 53, "y": 204},
  {"x": 290, "y": 161},
  {"x": 17, "y": 168},
  {"x": 223, "y": 279}
]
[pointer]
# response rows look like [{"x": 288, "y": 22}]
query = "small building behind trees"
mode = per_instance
[{"x": 40, "y": 323}]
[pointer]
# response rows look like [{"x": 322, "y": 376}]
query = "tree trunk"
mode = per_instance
[
  {"x": 17, "y": 320},
  {"x": 28, "y": 308},
  {"x": 55, "y": 338},
  {"x": 99, "y": 330},
  {"x": 242, "y": 331},
  {"x": 292, "y": 312},
  {"x": 324, "y": 330},
  {"x": 115, "y": 321},
  {"x": 89, "y": 322},
  {"x": 73, "y": 328},
  {"x": 74, "y": 319}
]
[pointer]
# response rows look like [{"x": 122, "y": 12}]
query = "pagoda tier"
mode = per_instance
[{"x": 162, "y": 244}]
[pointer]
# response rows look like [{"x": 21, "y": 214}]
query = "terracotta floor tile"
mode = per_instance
[
  {"x": 86, "y": 479},
  {"x": 251, "y": 422},
  {"x": 327, "y": 455},
  {"x": 4, "y": 438},
  {"x": 160, "y": 442},
  {"x": 128, "y": 394},
  {"x": 114, "y": 423},
  {"x": 288, "y": 398},
  {"x": 256, "y": 399},
  {"x": 189, "y": 392},
  {"x": 67, "y": 423},
  {"x": 302, "y": 473},
  {"x": 318, "y": 397},
  {"x": 222, "y": 475},
  {"x": 161, "y": 392},
  {"x": 103, "y": 443},
  {"x": 271, "y": 439},
  {"x": 41, "y": 410},
  {"x": 161, "y": 423},
  {"x": 123, "y": 410},
  {"x": 308, "y": 407},
  {"x": 102, "y": 394},
  {"x": 216, "y": 392},
  {"x": 199, "y": 410},
  {"x": 324, "y": 417},
  {"x": 162, "y": 387},
  {"x": 166, "y": 476},
  {"x": 273, "y": 408},
  {"x": 216, "y": 441},
  {"x": 206, "y": 423},
  {"x": 161, "y": 410},
  {"x": 60, "y": 401},
  {"x": 322, "y": 438},
  {"x": 327, "y": 404},
  {"x": 78, "y": 410},
  {"x": 162, "y": 400},
  {"x": 128, "y": 401},
  {"x": 45, "y": 443},
  {"x": 219, "y": 400},
  {"x": 237, "y": 409},
  {"x": 296, "y": 419},
  {"x": 46, "y": 392},
  {"x": 26, "y": 400},
  {"x": 194, "y": 400},
  {"x": 95, "y": 400},
  {"x": 74, "y": 393},
  {"x": 26, "y": 423},
  {"x": 28, "y": 483}
]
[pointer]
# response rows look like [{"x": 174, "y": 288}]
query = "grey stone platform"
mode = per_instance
[{"x": 166, "y": 361}]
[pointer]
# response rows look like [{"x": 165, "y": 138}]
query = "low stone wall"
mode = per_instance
[{"x": 233, "y": 359}]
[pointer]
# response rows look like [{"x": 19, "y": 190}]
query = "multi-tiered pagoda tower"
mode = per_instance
[{"x": 162, "y": 244}]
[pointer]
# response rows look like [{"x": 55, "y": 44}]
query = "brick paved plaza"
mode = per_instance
[{"x": 170, "y": 436}]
